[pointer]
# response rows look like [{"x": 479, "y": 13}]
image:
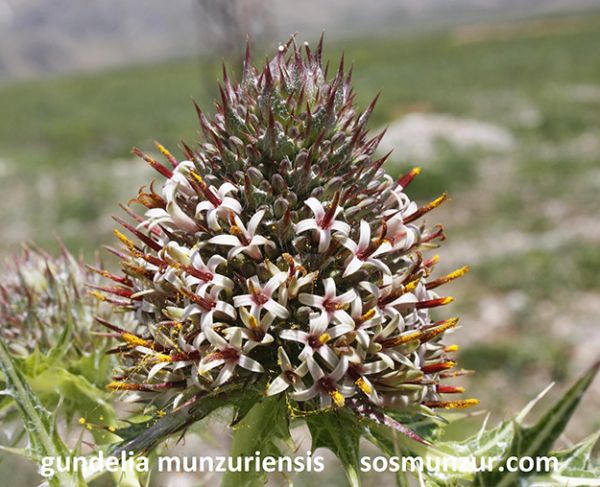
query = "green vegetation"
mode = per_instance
[{"x": 63, "y": 142}]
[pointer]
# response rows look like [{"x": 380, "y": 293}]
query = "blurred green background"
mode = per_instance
[{"x": 503, "y": 114}]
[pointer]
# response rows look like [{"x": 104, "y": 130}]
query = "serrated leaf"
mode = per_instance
[
  {"x": 144, "y": 437},
  {"x": 575, "y": 466},
  {"x": 264, "y": 428},
  {"x": 44, "y": 440},
  {"x": 537, "y": 440},
  {"x": 340, "y": 432}
]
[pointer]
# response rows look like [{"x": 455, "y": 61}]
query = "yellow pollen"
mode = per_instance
[
  {"x": 128, "y": 243},
  {"x": 338, "y": 399},
  {"x": 451, "y": 348},
  {"x": 82, "y": 421},
  {"x": 324, "y": 338},
  {"x": 437, "y": 202},
  {"x": 415, "y": 171},
  {"x": 198, "y": 178},
  {"x": 459, "y": 404},
  {"x": 435, "y": 259},
  {"x": 235, "y": 230},
  {"x": 253, "y": 322},
  {"x": 363, "y": 386},
  {"x": 122, "y": 386},
  {"x": 368, "y": 315},
  {"x": 163, "y": 150},
  {"x": 135, "y": 340},
  {"x": 446, "y": 325},
  {"x": 411, "y": 286},
  {"x": 97, "y": 295},
  {"x": 446, "y": 300},
  {"x": 89, "y": 427},
  {"x": 161, "y": 357},
  {"x": 112, "y": 429},
  {"x": 408, "y": 338},
  {"x": 458, "y": 273}
]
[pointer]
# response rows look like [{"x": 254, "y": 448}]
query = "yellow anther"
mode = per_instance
[
  {"x": 161, "y": 357},
  {"x": 459, "y": 404},
  {"x": 457, "y": 273},
  {"x": 368, "y": 315},
  {"x": 436, "y": 202},
  {"x": 451, "y": 348},
  {"x": 415, "y": 171},
  {"x": 199, "y": 179},
  {"x": 324, "y": 338},
  {"x": 135, "y": 340},
  {"x": 407, "y": 338},
  {"x": 128, "y": 243},
  {"x": 363, "y": 386},
  {"x": 82, "y": 421},
  {"x": 235, "y": 230},
  {"x": 411, "y": 286},
  {"x": 112, "y": 429},
  {"x": 253, "y": 322},
  {"x": 163, "y": 150},
  {"x": 97, "y": 295},
  {"x": 445, "y": 325},
  {"x": 122, "y": 386},
  {"x": 338, "y": 399}
]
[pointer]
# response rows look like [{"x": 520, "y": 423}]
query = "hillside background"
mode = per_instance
[{"x": 497, "y": 100}]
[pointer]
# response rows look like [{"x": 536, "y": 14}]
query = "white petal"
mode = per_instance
[
  {"x": 316, "y": 206},
  {"x": 318, "y": 323},
  {"x": 274, "y": 307},
  {"x": 341, "y": 227},
  {"x": 340, "y": 369},
  {"x": 311, "y": 300},
  {"x": 216, "y": 339},
  {"x": 225, "y": 374},
  {"x": 255, "y": 221},
  {"x": 354, "y": 265},
  {"x": 343, "y": 317},
  {"x": 243, "y": 300},
  {"x": 280, "y": 384},
  {"x": 276, "y": 281},
  {"x": 339, "y": 330},
  {"x": 329, "y": 285},
  {"x": 156, "y": 369},
  {"x": 250, "y": 364},
  {"x": 365, "y": 235},
  {"x": 324, "y": 240},
  {"x": 304, "y": 225},
  {"x": 328, "y": 354},
  {"x": 228, "y": 240},
  {"x": 305, "y": 395},
  {"x": 294, "y": 335},
  {"x": 315, "y": 371}
]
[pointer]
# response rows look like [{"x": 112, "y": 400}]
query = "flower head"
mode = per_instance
[{"x": 280, "y": 255}]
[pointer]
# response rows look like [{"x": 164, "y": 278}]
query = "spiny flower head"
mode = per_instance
[
  {"x": 41, "y": 296},
  {"x": 279, "y": 253}
]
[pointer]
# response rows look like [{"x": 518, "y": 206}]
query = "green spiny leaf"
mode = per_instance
[
  {"x": 340, "y": 432},
  {"x": 263, "y": 429},
  {"x": 537, "y": 440},
  {"x": 44, "y": 440}
]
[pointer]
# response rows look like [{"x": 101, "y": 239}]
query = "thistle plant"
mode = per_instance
[
  {"x": 279, "y": 256},
  {"x": 43, "y": 297},
  {"x": 47, "y": 324},
  {"x": 276, "y": 270}
]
